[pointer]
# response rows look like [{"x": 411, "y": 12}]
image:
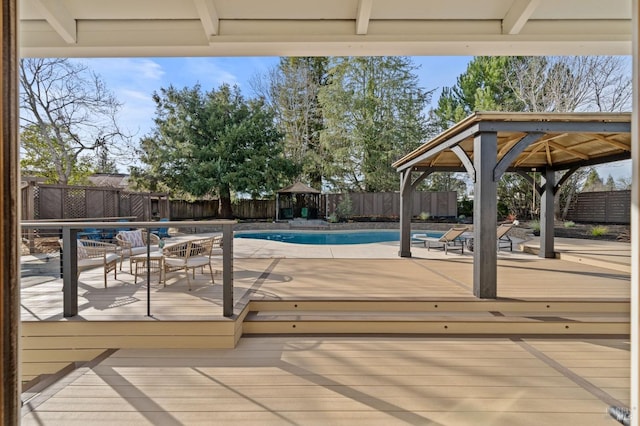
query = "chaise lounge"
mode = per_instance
[{"x": 450, "y": 240}]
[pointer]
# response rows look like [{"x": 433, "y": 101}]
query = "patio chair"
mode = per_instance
[
  {"x": 93, "y": 254},
  {"x": 134, "y": 242},
  {"x": 448, "y": 240},
  {"x": 189, "y": 255},
  {"x": 504, "y": 241}
]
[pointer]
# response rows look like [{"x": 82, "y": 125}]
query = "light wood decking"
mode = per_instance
[
  {"x": 427, "y": 379},
  {"x": 346, "y": 381}
]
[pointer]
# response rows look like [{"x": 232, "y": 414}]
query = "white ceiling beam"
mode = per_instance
[
  {"x": 518, "y": 15},
  {"x": 208, "y": 16},
  {"x": 290, "y": 38},
  {"x": 59, "y": 18},
  {"x": 363, "y": 16}
]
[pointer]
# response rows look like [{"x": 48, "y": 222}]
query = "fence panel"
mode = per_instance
[
  {"x": 71, "y": 202},
  {"x": 387, "y": 204},
  {"x": 602, "y": 207},
  {"x": 49, "y": 203}
]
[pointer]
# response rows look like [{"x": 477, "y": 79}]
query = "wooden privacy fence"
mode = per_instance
[
  {"x": 41, "y": 201},
  {"x": 602, "y": 207},
  {"x": 387, "y": 204},
  {"x": 242, "y": 209}
]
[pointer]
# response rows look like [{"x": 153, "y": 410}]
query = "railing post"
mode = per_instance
[
  {"x": 70, "y": 272},
  {"x": 227, "y": 270}
]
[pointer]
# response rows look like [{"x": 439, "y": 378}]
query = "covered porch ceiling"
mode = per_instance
[
  {"x": 528, "y": 141},
  {"x": 118, "y": 28}
]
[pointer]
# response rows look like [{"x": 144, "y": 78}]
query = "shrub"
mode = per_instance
[
  {"x": 344, "y": 208},
  {"x": 535, "y": 225},
  {"x": 569, "y": 224},
  {"x": 333, "y": 218},
  {"x": 599, "y": 230},
  {"x": 424, "y": 216}
]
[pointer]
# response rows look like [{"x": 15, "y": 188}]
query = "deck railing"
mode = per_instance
[{"x": 69, "y": 233}]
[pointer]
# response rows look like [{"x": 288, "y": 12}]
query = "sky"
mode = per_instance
[{"x": 134, "y": 80}]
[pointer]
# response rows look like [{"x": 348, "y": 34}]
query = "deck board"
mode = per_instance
[{"x": 344, "y": 380}]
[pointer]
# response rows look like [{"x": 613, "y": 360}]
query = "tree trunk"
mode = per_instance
[{"x": 224, "y": 206}]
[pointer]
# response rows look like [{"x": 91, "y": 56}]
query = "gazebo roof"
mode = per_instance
[
  {"x": 558, "y": 141},
  {"x": 298, "y": 188}
]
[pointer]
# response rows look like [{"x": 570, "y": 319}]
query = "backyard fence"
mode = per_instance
[
  {"x": 602, "y": 207},
  {"x": 387, "y": 204},
  {"x": 40, "y": 201}
]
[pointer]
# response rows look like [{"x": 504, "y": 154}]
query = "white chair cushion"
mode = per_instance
[{"x": 133, "y": 237}]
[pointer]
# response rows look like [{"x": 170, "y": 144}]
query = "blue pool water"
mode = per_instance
[{"x": 329, "y": 237}]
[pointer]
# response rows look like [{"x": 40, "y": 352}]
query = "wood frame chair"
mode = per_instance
[
  {"x": 93, "y": 254},
  {"x": 190, "y": 255},
  {"x": 131, "y": 244}
]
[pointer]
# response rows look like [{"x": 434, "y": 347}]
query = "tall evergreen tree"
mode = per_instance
[
  {"x": 213, "y": 143},
  {"x": 373, "y": 114},
  {"x": 293, "y": 90}
]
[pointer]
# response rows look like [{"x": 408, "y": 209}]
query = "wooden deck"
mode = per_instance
[
  {"x": 348, "y": 380},
  {"x": 179, "y": 365}
]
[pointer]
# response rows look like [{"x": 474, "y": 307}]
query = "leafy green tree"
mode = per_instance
[
  {"x": 42, "y": 160},
  {"x": 69, "y": 111},
  {"x": 593, "y": 181},
  {"x": 482, "y": 87},
  {"x": 373, "y": 114},
  {"x": 212, "y": 143}
]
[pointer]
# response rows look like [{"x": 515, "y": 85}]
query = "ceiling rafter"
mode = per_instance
[
  {"x": 568, "y": 150},
  {"x": 518, "y": 15},
  {"x": 535, "y": 149},
  {"x": 436, "y": 158},
  {"x": 548, "y": 150},
  {"x": 363, "y": 16},
  {"x": 509, "y": 143},
  {"x": 208, "y": 16},
  {"x": 612, "y": 142},
  {"x": 60, "y": 19}
]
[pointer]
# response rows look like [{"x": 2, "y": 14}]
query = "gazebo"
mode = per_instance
[
  {"x": 487, "y": 144},
  {"x": 297, "y": 200}
]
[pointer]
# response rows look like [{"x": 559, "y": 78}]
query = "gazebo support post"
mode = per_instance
[
  {"x": 485, "y": 211},
  {"x": 405, "y": 213},
  {"x": 547, "y": 215}
]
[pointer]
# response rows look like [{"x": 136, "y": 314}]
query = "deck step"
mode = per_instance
[{"x": 443, "y": 317}]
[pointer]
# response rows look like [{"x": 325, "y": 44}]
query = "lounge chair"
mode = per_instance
[
  {"x": 450, "y": 240},
  {"x": 504, "y": 241},
  {"x": 503, "y": 238}
]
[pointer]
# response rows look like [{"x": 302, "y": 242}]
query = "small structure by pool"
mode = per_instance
[{"x": 297, "y": 200}]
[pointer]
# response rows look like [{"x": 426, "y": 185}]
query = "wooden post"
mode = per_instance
[
  {"x": 635, "y": 218},
  {"x": 405, "y": 213},
  {"x": 546, "y": 216},
  {"x": 485, "y": 212},
  {"x": 10, "y": 220},
  {"x": 70, "y": 272},
  {"x": 227, "y": 270}
]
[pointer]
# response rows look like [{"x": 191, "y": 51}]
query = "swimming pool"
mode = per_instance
[{"x": 330, "y": 237}]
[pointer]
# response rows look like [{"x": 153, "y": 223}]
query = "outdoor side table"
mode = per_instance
[{"x": 140, "y": 266}]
